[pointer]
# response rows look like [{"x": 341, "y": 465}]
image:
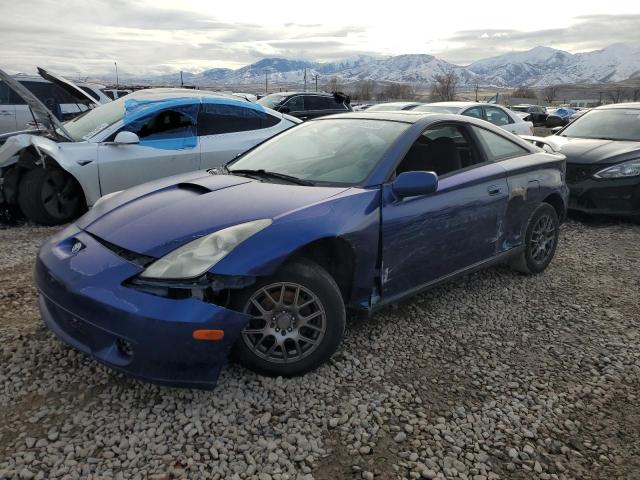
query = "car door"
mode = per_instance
[
  {"x": 427, "y": 238},
  {"x": 296, "y": 107},
  {"x": 227, "y": 130},
  {"x": 7, "y": 110},
  {"x": 168, "y": 146}
]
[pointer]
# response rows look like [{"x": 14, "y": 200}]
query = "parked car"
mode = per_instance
[
  {"x": 559, "y": 117},
  {"x": 53, "y": 176},
  {"x": 65, "y": 103},
  {"x": 307, "y": 105},
  {"x": 114, "y": 93},
  {"x": 390, "y": 106},
  {"x": 354, "y": 211},
  {"x": 536, "y": 114},
  {"x": 496, "y": 114},
  {"x": 603, "y": 160}
]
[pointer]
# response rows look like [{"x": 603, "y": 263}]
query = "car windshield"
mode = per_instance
[
  {"x": 94, "y": 121},
  {"x": 333, "y": 151},
  {"x": 436, "y": 109},
  {"x": 609, "y": 124},
  {"x": 270, "y": 101}
]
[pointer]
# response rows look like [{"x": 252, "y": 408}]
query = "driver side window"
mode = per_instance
[
  {"x": 296, "y": 104},
  {"x": 170, "y": 124},
  {"x": 443, "y": 149}
]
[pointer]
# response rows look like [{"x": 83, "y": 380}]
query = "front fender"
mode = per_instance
[{"x": 353, "y": 216}]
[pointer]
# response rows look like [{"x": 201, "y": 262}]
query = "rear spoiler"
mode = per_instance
[
  {"x": 540, "y": 142},
  {"x": 342, "y": 97}
]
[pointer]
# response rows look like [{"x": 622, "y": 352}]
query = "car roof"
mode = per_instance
[
  {"x": 287, "y": 94},
  {"x": 457, "y": 104},
  {"x": 405, "y": 116},
  {"x": 619, "y": 105},
  {"x": 160, "y": 94}
]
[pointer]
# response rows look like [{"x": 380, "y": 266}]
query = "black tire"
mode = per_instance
[
  {"x": 50, "y": 196},
  {"x": 285, "y": 321},
  {"x": 540, "y": 245}
]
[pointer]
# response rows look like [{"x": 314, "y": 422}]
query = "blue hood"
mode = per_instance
[{"x": 157, "y": 217}]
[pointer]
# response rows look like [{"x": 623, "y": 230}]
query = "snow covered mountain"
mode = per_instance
[
  {"x": 537, "y": 67},
  {"x": 542, "y": 66}
]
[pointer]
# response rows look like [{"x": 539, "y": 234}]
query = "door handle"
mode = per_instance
[
  {"x": 494, "y": 189},
  {"x": 6, "y": 113}
]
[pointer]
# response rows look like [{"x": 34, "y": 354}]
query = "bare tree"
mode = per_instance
[
  {"x": 364, "y": 90},
  {"x": 635, "y": 94},
  {"x": 399, "y": 91},
  {"x": 444, "y": 86},
  {"x": 333, "y": 85},
  {"x": 523, "y": 92},
  {"x": 615, "y": 94},
  {"x": 550, "y": 93}
]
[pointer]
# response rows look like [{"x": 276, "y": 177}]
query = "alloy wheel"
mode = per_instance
[
  {"x": 543, "y": 238},
  {"x": 288, "y": 322}
]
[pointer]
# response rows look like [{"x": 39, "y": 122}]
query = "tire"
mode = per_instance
[
  {"x": 541, "y": 240},
  {"x": 50, "y": 196},
  {"x": 279, "y": 341}
]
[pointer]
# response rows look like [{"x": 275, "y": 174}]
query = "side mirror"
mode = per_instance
[
  {"x": 284, "y": 109},
  {"x": 410, "y": 184},
  {"x": 555, "y": 130},
  {"x": 126, "y": 138}
]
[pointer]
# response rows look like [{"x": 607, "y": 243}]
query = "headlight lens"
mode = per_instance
[
  {"x": 105, "y": 197},
  {"x": 196, "y": 257},
  {"x": 625, "y": 169}
]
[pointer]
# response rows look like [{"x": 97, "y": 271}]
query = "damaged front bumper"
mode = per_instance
[{"x": 85, "y": 301}]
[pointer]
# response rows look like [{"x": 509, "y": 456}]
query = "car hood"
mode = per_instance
[
  {"x": 155, "y": 218},
  {"x": 41, "y": 113},
  {"x": 592, "y": 151},
  {"x": 71, "y": 88}
]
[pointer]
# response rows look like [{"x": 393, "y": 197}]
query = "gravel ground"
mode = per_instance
[{"x": 497, "y": 375}]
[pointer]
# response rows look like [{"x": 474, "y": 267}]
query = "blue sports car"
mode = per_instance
[{"x": 261, "y": 259}]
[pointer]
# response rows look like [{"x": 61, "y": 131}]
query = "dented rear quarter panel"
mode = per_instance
[{"x": 531, "y": 179}]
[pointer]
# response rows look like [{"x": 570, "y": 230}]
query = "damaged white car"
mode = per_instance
[{"x": 52, "y": 176}]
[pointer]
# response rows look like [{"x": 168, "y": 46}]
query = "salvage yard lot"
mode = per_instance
[{"x": 497, "y": 375}]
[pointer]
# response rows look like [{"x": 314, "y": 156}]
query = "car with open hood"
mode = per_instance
[
  {"x": 65, "y": 99},
  {"x": 602, "y": 147},
  {"x": 261, "y": 259},
  {"x": 53, "y": 175}
]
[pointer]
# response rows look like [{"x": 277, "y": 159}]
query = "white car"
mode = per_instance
[
  {"x": 496, "y": 114},
  {"x": 64, "y": 98},
  {"x": 54, "y": 175}
]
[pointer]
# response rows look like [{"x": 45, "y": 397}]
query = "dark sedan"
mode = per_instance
[{"x": 603, "y": 160}]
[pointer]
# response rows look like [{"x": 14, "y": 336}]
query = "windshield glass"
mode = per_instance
[
  {"x": 96, "y": 120},
  {"x": 336, "y": 151},
  {"x": 611, "y": 124},
  {"x": 270, "y": 101},
  {"x": 436, "y": 109}
]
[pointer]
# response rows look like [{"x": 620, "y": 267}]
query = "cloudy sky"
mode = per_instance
[{"x": 84, "y": 37}]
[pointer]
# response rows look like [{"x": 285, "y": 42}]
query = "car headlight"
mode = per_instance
[
  {"x": 196, "y": 257},
  {"x": 105, "y": 197},
  {"x": 622, "y": 170}
]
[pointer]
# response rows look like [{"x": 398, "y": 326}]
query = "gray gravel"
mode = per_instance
[{"x": 497, "y": 375}]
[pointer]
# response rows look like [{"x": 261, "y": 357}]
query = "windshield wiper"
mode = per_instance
[{"x": 265, "y": 173}]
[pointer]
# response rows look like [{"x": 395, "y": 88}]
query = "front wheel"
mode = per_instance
[
  {"x": 50, "y": 196},
  {"x": 298, "y": 319},
  {"x": 541, "y": 240}
]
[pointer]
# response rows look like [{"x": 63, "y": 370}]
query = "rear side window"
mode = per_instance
[
  {"x": 217, "y": 118},
  {"x": 313, "y": 102},
  {"x": 296, "y": 104},
  {"x": 498, "y": 147},
  {"x": 48, "y": 93},
  {"x": 475, "y": 112},
  {"x": 497, "y": 116},
  {"x": 4, "y": 94}
]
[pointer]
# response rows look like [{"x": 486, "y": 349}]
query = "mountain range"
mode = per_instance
[{"x": 538, "y": 67}]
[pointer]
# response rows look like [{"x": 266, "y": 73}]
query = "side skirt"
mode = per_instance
[{"x": 498, "y": 259}]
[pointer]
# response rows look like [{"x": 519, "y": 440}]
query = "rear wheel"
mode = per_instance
[
  {"x": 541, "y": 240},
  {"x": 50, "y": 196},
  {"x": 298, "y": 320}
]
